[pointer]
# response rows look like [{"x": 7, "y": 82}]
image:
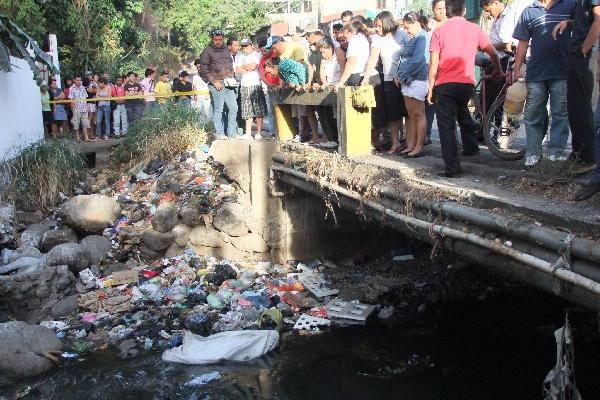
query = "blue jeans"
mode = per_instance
[
  {"x": 596, "y": 172},
  {"x": 135, "y": 111},
  {"x": 535, "y": 114},
  {"x": 220, "y": 99},
  {"x": 103, "y": 112}
]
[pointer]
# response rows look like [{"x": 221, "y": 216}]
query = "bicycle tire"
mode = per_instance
[
  {"x": 490, "y": 127},
  {"x": 474, "y": 107}
]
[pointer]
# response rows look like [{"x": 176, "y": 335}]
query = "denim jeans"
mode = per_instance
[
  {"x": 103, "y": 112},
  {"x": 220, "y": 99},
  {"x": 271, "y": 110},
  {"x": 135, "y": 111},
  {"x": 535, "y": 114},
  {"x": 595, "y": 178},
  {"x": 120, "y": 123}
]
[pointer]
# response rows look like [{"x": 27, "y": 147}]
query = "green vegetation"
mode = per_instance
[
  {"x": 163, "y": 133},
  {"x": 115, "y": 36},
  {"x": 40, "y": 172}
]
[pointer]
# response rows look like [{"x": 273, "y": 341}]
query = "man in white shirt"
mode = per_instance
[
  {"x": 253, "y": 101},
  {"x": 511, "y": 15}
]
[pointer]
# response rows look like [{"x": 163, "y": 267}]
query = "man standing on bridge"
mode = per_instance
[
  {"x": 451, "y": 80},
  {"x": 216, "y": 69}
]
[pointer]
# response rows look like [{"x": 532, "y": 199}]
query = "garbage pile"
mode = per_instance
[{"x": 191, "y": 306}]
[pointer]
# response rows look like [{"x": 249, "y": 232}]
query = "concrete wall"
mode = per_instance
[{"x": 20, "y": 109}]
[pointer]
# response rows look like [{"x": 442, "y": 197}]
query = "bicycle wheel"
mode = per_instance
[
  {"x": 474, "y": 106},
  {"x": 503, "y": 133}
]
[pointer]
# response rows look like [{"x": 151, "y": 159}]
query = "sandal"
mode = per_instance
[{"x": 395, "y": 151}]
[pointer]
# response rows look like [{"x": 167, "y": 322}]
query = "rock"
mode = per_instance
[
  {"x": 89, "y": 213},
  {"x": 25, "y": 251},
  {"x": 108, "y": 270},
  {"x": 28, "y": 217},
  {"x": 32, "y": 236},
  {"x": 97, "y": 247},
  {"x": 230, "y": 220},
  {"x": 207, "y": 237},
  {"x": 251, "y": 243},
  {"x": 23, "y": 263},
  {"x": 174, "y": 251},
  {"x": 129, "y": 235},
  {"x": 191, "y": 216},
  {"x": 150, "y": 254},
  {"x": 165, "y": 217},
  {"x": 181, "y": 235},
  {"x": 128, "y": 350},
  {"x": 54, "y": 237},
  {"x": 72, "y": 254},
  {"x": 21, "y": 346},
  {"x": 157, "y": 241},
  {"x": 8, "y": 230},
  {"x": 65, "y": 307}
]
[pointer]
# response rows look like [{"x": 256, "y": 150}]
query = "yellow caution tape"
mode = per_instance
[{"x": 137, "y": 96}]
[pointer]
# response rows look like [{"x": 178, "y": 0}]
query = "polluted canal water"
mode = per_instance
[{"x": 164, "y": 313}]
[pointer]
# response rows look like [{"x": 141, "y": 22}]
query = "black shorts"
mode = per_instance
[
  {"x": 47, "y": 115},
  {"x": 395, "y": 109}
]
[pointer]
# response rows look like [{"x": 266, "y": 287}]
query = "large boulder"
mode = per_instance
[
  {"x": 90, "y": 213},
  {"x": 65, "y": 307},
  {"x": 22, "y": 348},
  {"x": 251, "y": 243},
  {"x": 157, "y": 241},
  {"x": 97, "y": 247},
  {"x": 206, "y": 237},
  {"x": 191, "y": 216},
  {"x": 230, "y": 220},
  {"x": 72, "y": 254},
  {"x": 54, "y": 237},
  {"x": 181, "y": 235},
  {"x": 32, "y": 236},
  {"x": 174, "y": 251},
  {"x": 165, "y": 217},
  {"x": 7, "y": 224},
  {"x": 23, "y": 264}
]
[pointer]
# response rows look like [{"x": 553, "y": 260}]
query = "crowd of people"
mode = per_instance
[{"x": 420, "y": 68}]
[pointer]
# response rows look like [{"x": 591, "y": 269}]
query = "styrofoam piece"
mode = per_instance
[
  {"x": 349, "y": 310},
  {"x": 309, "y": 323},
  {"x": 317, "y": 285},
  {"x": 406, "y": 257}
]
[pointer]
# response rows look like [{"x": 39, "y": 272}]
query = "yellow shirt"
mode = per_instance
[
  {"x": 162, "y": 88},
  {"x": 294, "y": 51}
]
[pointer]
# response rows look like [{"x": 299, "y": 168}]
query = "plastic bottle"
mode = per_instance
[{"x": 515, "y": 97}]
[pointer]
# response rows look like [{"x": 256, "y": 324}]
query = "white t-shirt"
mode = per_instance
[
  {"x": 332, "y": 70},
  {"x": 360, "y": 48},
  {"x": 248, "y": 79},
  {"x": 391, "y": 49}
]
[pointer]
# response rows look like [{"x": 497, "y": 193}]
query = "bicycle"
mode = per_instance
[{"x": 503, "y": 133}]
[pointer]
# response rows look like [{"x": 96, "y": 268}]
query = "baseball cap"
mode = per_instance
[
  {"x": 217, "y": 32},
  {"x": 246, "y": 42},
  {"x": 272, "y": 40},
  {"x": 311, "y": 28},
  {"x": 88, "y": 73}
]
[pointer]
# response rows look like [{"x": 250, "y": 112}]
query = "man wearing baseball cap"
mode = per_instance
[{"x": 216, "y": 69}]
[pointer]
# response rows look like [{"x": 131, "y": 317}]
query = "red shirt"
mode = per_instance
[
  {"x": 457, "y": 41},
  {"x": 271, "y": 80},
  {"x": 118, "y": 91}
]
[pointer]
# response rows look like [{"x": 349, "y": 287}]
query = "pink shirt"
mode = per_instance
[{"x": 457, "y": 41}]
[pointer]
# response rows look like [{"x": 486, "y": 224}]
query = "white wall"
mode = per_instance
[{"x": 20, "y": 109}]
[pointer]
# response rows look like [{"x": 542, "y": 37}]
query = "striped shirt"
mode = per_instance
[{"x": 549, "y": 58}]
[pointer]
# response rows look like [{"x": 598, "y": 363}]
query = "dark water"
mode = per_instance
[{"x": 500, "y": 348}]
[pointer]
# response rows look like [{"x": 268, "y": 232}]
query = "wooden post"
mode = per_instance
[
  {"x": 283, "y": 121},
  {"x": 354, "y": 126}
]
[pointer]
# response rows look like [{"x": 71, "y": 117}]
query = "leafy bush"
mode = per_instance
[
  {"x": 40, "y": 172},
  {"x": 162, "y": 133}
]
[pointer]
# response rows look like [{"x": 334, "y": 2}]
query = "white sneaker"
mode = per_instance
[
  {"x": 297, "y": 139},
  {"x": 246, "y": 137},
  {"x": 222, "y": 137},
  {"x": 329, "y": 145},
  {"x": 557, "y": 157},
  {"x": 258, "y": 136},
  {"x": 532, "y": 161}
]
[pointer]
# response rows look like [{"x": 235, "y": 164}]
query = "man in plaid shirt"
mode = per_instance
[{"x": 80, "y": 109}]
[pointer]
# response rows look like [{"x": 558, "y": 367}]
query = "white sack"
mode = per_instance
[{"x": 230, "y": 346}]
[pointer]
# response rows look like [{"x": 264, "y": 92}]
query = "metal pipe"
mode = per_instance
[
  {"x": 534, "y": 262},
  {"x": 554, "y": 240}
]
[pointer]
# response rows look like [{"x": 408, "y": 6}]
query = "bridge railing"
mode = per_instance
[{"x": 353, "y": 124}]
